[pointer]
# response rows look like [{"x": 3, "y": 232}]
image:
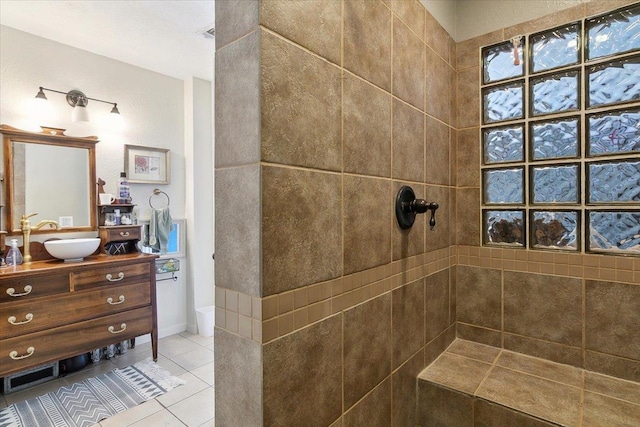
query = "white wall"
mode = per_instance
[{"x": 152, "y": 109}]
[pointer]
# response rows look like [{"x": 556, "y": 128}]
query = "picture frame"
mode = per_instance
[{"x": 147, "y": 165}]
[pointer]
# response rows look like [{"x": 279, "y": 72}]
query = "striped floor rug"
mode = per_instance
[{"x": 86, "y": 403}]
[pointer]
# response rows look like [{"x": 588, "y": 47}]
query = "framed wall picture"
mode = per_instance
[{"x": 147, "y": 165}]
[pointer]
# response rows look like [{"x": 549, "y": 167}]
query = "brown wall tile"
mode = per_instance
[
  {"x": 404, "y": 391},
  {"x": 555, "y": 352},
  {"x": 303, "y": 376},
  {"x": 438, "y": 406},
  {"x": 438, "y": 86},
  {"x": 315, "y": 25},
  {"x": 439, "y": 237},
  {"x": 408, "y": 318},
  {"x": 234, "y": 19},
  {"x": 238, "y": 242},
  {"x": 437, "y": 304},
  {"x": 468, "y": 216},
  {"x": 300, "y": 107},
  {"x": 468, "y": 158},
  {"x": 374, "y": 410},
  {"x": 482, "y": 335},
  {"x": 367, "y": 128},
  {"x": 408, "y": 65},
  {"x": 408, "y": 143},
  {"x": 301, "y": 228},
  {"x": 488, "y": 414},
  {"x": 468, "y": 100},
  {"x": 437, "y": 38},
  {"x": 612, "y": 318},
  {"x": 367, "y": 223},
  {"x": 367, "y": 347},
  {"x": 479, "y": 296},
  {"x": 238, "y": 122},
  {"x": 468, "y": 51},
  {"x": 435, "y": 347},
  {"x": 612, "y": 365},
  {"x": 367, "y": 41},
  {"x": 412, "y": 13},
  {"x": 437, "y": 159},
  {"x": 238, "y": 372},
  {"x": 407, "y": 242},
  {"x": 544, "y": 307}
]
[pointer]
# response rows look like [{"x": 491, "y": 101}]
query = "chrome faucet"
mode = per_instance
[{"x": 26, "y": 227}]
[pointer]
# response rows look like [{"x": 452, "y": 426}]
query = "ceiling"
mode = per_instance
[{"x": 166, "y": 36}]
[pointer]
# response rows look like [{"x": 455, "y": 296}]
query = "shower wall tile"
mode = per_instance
[
  {"x": 367, "y": 347},
  {"x": 408, "y": 242},
  {"x": 479, "y": 297},
  {"x": 300, "y": 109},
  {"x": 411, "y": 12},
  {"x": 238, "y": 242},
  {"x": 305, "y": 368},
  {"x": 238, "y": 371},
  {"x": 438, "y": 86},
  {"x": 437, "y": 152},
  {"x": 435, "y": 347},
  {"x": 437, "y": 304},
  {"x": 408, "y": 65},
  {"x": 408, "y": 320},
  {"x": 438, "y": 39},
  {"x": 453, "y": 279},
  {"x": 439, "y": 406},
  {"x": 408, "y": 143},
  {"x": 607, "y": 304},
  {"x": 367, "y": 243},
  {"x": 374, "y": 410},
  {"x": 238, "y": 123},
  {"x": 367, "y": 41},
  {"x": 404, "y": 391},
  {"x": 439, "y": 237},
  {"x": 482, "y": 335},
  {"x": 234, "y": 19},
  {"x": 486, "y": 414},
  {"x": 468, "y": 100},
  {"x": 468, "y": 159},
  {"x": 529, "y": 309},
  {"x": 301, "y": 228},
  {"x": 453, "y": 156},
  {"x": 314, "y": 25},
  {"x": 560, "y": 353},
  {"x": 612, "y": 365},
  {"x": 367, "y": 128},
  {"x": 468, "y": 51},
  {"x": 453, "y": 209},
  {"x": 468, "y": 216}
]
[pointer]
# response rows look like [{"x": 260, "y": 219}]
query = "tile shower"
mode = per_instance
[{"x": 326, "y": 310}]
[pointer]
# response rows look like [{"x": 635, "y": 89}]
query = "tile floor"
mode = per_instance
[{"x": 185, "y": 355}]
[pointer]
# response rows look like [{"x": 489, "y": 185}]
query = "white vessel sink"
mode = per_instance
[{"x": 72, "y": 249}]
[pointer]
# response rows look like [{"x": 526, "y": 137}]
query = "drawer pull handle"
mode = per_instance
[
  {"x": 14, "y": 354},
  {"x": 124, "y": 234},
  {"x": 27, "y": 290},
  {"x": 120, "y": 300},
  {"x": 13, "y": 319},
  {"x": 112, "y": 329},
  {"x": 111, "y": 279}
]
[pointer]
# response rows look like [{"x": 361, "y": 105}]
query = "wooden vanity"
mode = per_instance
[{"x": 52, "y": 310}]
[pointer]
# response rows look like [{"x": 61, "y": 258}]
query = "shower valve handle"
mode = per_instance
[{"x": 407, "y": 206}]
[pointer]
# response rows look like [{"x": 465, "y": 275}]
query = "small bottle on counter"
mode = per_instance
[
  {"x": 117, "y": 214},
  {"x": 14, "y": 257},
  {"x": 124, "y": 189}
]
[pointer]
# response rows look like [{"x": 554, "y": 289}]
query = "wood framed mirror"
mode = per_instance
[{"x": 49, "y": 173}]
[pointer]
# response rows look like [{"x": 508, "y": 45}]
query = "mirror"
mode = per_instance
[{"x": 49, "y": 173}]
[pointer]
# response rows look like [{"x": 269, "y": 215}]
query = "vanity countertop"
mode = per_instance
[{"x": 57, "y": 264}]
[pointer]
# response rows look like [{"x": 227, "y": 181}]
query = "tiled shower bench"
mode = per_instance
[{"x": 472, "y": 384}]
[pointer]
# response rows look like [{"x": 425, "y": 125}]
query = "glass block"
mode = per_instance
[
  {"x": 555, "y": 230},
  {"x": 504, "y": 144},
  {"x": 615, "y": 82},
  {"x": 614, "y": 182},
  {"x": 555, "y": 93},
  {"x": 612, "y": 133},
  {"x": 555, "y": 48},
  {"x": 504, "y": 227},
  {"x": 556, "y": 139},
  {"x": 503, "y": 103},
  {"x": 555, "y": 184},
  {"x": 614, "y": 232},
  {"x": 614, "y": 33},
  {"x": 504, "y": 186},
  {"x": 498, "y": 62}
]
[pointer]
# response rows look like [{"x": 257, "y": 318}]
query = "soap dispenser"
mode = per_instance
[{"x": 14, "y": 257}]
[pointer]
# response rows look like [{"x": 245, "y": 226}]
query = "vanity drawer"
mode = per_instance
[
  {"x": 121, "y": 234},
  {"x": 110, "y": 276},
  {"x": 20, "y": 288},
  {"x": 35, "y": 349},
  {"x": 30, "y": 316}
]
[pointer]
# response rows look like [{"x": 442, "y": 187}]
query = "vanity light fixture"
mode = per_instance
[{"x": 78, "y": 101}]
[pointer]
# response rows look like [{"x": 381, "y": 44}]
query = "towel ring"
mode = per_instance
[{"x": 157, "y": 192}]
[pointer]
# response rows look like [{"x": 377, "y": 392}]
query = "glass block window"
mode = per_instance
[
  {"x": 613, "y": 33},
  {"x": 555, "y": 184},
  {"x": 503, "y": 144},
  {"x": 555, "y": 48},
  {"x": 555, "y": 93},
  {"x": 555, "y": 230},
  {"x": 504, "y": 227},
  {"x": 614, "y": 132},
  {"x": 560, "y": 137},
  {"x": 555, "y": 139},
  {"x": 614, "y": 82}
]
